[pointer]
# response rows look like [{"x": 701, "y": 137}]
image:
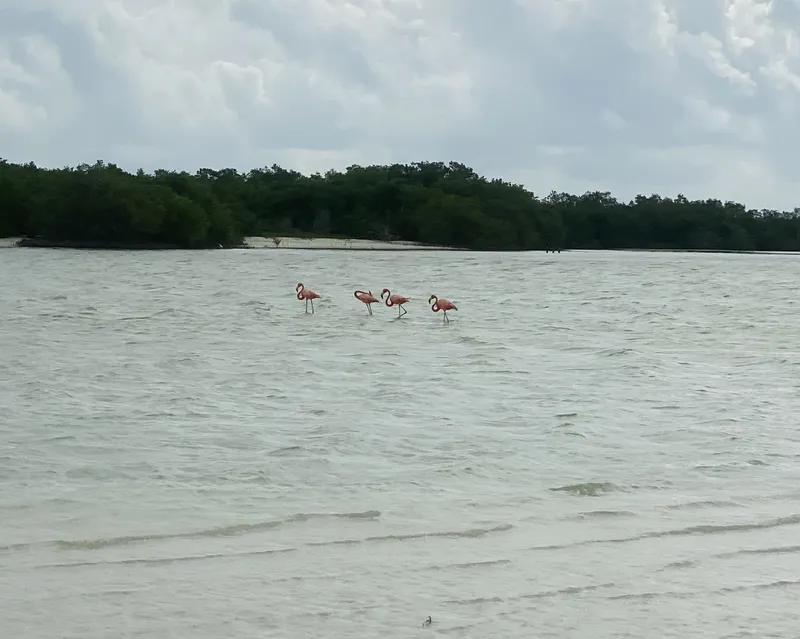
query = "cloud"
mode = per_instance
[{"x": 629, "y": 96}]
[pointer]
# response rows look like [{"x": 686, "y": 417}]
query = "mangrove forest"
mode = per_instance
[{"x": 429, "y": 202}]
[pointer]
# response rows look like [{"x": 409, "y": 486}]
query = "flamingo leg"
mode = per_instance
[
  {"x": 312, "y": 307},
  {"x": 399, "y": 308},
  {"x": 446, "y": 319},
  {"x": 369, "y": 308},
  {"x": 306, "y": 305}
]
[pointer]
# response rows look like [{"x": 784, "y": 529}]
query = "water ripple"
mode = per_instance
[{"x": 611, "y": 452}]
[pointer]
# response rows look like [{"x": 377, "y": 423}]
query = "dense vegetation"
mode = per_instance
[{"x": 431, "y": 202}]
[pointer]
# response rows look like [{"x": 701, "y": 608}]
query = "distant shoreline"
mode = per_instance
[
  {"x": 690, "y": 250},
  {"x": 337, "y": 244},
  {"x": 324, "y": 244},
  {"x": 252, "y": 242}
]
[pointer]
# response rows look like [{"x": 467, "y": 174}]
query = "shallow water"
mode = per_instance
[{"x": 598, "y": 445}]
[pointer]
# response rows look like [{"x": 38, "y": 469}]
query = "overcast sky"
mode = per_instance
[{"x": 629, "y": 96}]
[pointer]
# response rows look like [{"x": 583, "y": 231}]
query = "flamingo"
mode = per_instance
[
  {"x": 306, "y": 294},
  {"x": 368, "y": 299},
  {"x": 395, "y": 300},
  {"x": 442, "y": 305}
]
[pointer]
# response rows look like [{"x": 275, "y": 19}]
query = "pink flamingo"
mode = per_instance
[
  {"x": 306, "y": 294},
  {"x": 395, "y": 300},
  {"x": 442, "y": 305},
  {"x": 368, "y": 299}
]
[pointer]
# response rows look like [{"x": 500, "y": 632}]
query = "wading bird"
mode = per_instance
[
  {"x": 395, "y": 300},
  {"x": 306, "y": 294},
  {"x": 368, "y": 298},
  {"x": 442, "y": 305}
]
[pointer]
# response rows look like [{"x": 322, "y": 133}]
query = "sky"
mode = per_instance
[{"x": 698, "y": 97}]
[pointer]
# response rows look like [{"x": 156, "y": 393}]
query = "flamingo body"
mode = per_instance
[
  {"x": 395, "y": 300},
  {"x": 441, "y": 304},
  {"x": 367, "y": 297},
  {"x": 306, "y": 294}
]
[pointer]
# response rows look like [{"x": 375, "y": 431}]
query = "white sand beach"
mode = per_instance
[
  {"x": 326, "y": 243},
  {"x": 318, "y": 243}
]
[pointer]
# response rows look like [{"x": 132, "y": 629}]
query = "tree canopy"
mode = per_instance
[{"x": 429, "y": 202}]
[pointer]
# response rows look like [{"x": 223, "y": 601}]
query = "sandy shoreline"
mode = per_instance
[
  {"x": 332, "y": 244},
  {"x": 336, "y": 244},
  {"x": 316, "y": 243}
]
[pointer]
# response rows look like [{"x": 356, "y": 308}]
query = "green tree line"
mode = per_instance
[{"x": 429, "y": 202}]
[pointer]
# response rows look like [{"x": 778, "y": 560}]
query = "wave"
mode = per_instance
[
  {"x": 471, "y": 533},
  {"x": 616, "y": 352},
  {"x": 472, "y": 564},
  {"x": 773, "y": 550},
  {"x": 166, "y": 560},
  {"x": 104, "y": 543},
  {"x": 769, "y": 585},
  {"x": 220, "y": 531},
  {"x": 708, "y": 503},
  {"x": 602, "y": 514},
  {"x": 693, "y": 563},
  {"x": 567, "y": 590},
  {"x": 588, "y": 489},
  {"x": 703, "y": 529}
]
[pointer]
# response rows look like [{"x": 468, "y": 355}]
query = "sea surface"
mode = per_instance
[{"x": 598, "y": 445}]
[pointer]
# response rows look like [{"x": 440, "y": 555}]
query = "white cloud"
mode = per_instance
[
  {"x": 35, "y": 93},
  {"x": 630, "y": 96}
]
